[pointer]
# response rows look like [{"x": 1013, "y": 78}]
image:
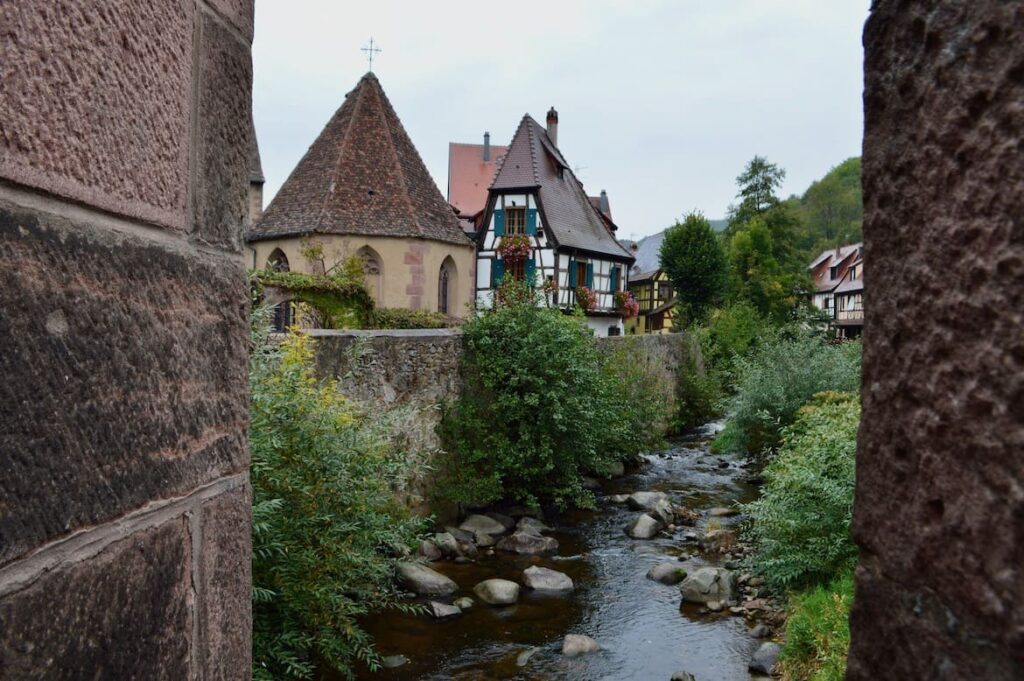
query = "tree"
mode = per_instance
[
  {"x": 831, "y": 210},
  {"x": 757, "y": 183},
  {"x": 695, "y": 263},
  {"x": 755, "y": 273}
]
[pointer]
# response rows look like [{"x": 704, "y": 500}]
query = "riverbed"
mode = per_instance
[{"x": 644, "y": 632}]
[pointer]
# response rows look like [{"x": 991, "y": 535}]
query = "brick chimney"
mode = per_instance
[
  {"x": 605, "y": 207},
  {"x": 487, "y": 146},
  {"x": 553, "y": 125}
]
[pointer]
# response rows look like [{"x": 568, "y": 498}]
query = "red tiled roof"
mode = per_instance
[
  {"x": 363, "y": 176},
  {"x": 533, "y": 162},
  {"x": 469, "y": 176}
]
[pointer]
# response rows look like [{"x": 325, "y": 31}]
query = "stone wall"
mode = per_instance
[
  {"x": 124, "y": 495},
  {"x": 939, "y": 511}
]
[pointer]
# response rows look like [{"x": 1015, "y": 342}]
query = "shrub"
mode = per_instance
[
  {"x": 818, "y": 633},
  {"x": 784, "y": 372},
  {"x": 325, "y": 523},
  {"x": 334, "y": 301},
  {"x": 698, "y": 390},
  {"x": 800, "y": 527},
  {"x": 539, "y": 410},
  {"x": 640, "y": 395},
  {"x": 401, "y": 318},
  {"x": 731, "y": 332}
]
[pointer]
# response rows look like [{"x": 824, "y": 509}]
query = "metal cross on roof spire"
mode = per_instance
[{"x": 370, "y": 51}]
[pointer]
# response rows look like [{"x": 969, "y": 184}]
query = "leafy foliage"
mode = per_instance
[
  {"x": 698, "y": 389},
  {"x": 831, "y": 210},
  {"x": 787, "y": 368},
  {"x": 730, "y": 332},
  {"x": 800, "y": 527},
  {"x": 818, "y": 633},
  {"x": 401, "y": 318},
  {"x": 758, "y": 183},
  {"x": 325, "y": 523},
  {"x": 692, "y": 257},
  {"x": 339, "y": 299},
  {"x": 541, "y": 407}
]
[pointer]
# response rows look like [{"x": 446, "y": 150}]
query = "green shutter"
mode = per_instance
[
  {"x": 499, "y": 222},
  {"x": 497, "y": 272},
  {"x": 615, "y": 279},
  {"x": 572, "y": 273},
  {"x": 531, "y": 221},
  {"x": 590, "y": 275},
  {"x": 531, "y": 271}
]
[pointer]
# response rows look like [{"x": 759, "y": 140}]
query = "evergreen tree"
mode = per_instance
[{"x": 757, "y": 183}]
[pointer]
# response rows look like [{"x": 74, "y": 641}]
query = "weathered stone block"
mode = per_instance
[
  {"x": 95, "y": 100},
  {"x": 122, "y": 615},
  {"x": 225, "y": 572},
  {"x": 220, "y": 193},
  {"x": 940, "y": 470},
  {"x": 124, "y": 375},
  {"x": 238, "y": 12}
]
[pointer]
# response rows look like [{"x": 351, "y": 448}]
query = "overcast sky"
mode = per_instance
[{"x": 661, "y": 102}]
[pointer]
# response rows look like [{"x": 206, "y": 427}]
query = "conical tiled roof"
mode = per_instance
[
  {"x": 533, "y": 162},
  {"x": 362, "y": 176}
]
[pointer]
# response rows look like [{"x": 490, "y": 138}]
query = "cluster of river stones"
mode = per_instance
[{"x": 715, "y": 589}]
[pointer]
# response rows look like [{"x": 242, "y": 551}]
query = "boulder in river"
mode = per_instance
[
  {"x": 507, "y": 522},
  {"x": 459, "y": 533},
  {"x": 528, "y": 544},
  {"x": 683, "y": 676},
  {"x": 531, "y": 526},
  {"x": 544, "y": 579},
  {"x": 475, "y": 524},
  {"x": 661, "y": 510},
  {"x": 722, "y": 512},
  {"x": 667, "y": 573},
  {"x": 708, "y": 584},
  {"x": 644, "y": 501},
  {"x": 429, "y": 550},
  {"x": 524, "y": 657},
  {"x": 644, "y": 527},
  {"x": 497, "y": 591},
  {"x": 578, "y": 644},
  {"x": 483, "y": 540},
  {"x": 761, "y": 631},
  {"x": 392, "y": 661},
  {"x": 443, "y": 610},
  {"x": 720, "y": 540},
  {"x": 448, "y": 544},
  {"x": 424, "y": 581},
  {"x": 464, "y": 603},
  {"x": 764, "y": 658},
  {"x": 619, "y": 498}
]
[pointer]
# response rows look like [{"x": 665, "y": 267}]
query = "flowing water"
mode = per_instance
[{"x": 644, "y": 632}]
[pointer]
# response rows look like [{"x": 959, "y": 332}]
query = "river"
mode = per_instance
[{"x": 644, "y": 633}]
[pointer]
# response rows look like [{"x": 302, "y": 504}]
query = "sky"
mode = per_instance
[{"x": 660, "y": 102}]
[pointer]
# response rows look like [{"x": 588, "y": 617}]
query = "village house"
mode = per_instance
[
  {"x": 656, "y": 299},
  {"x": 566, "y": 239},
  {"x": 838, "y": 276},
  {"x": 362, "y": 189}
]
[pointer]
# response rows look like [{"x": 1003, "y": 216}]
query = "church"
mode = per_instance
[
  {"x": 362, "y": 189},
  {"x": 573, "y": 255}
]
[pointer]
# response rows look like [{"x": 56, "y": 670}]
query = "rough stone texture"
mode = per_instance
[
  {"x": 123, "y": 615},
  {"x": 497, "y": 591},
  {"x": 96, "y": 102},
  {"x": 238, "y": 13},
  {"x": 224, "y": 137},
  {"x": 424, "y": 581},
  {"x": 939, "y": 505},
  {"x": 105, "y": 401},
  {"x": 225, "y": 566}
]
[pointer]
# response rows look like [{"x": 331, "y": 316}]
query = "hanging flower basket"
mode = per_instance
[
  {"x": 626, "y": 304},
  {"x": 515, "y": 248},
  {"x": 586, "y": 298}
]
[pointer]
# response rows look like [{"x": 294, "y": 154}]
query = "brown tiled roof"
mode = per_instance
[
  {"x": 469, "y": 176},
  {"x": 533, "y": 162},
  {"x": 843, "y": 256},
  {"x": 362, "y": 176},
  {"x": 255, "y": 166}
]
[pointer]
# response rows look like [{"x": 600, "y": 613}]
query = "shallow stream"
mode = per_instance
[{"x": 644, "y": 632}]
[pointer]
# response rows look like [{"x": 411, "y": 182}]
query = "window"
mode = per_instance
[
  {"x": 516, "y": 269},
  {"x": 278, "y": 261},
  {"x": 581, "y": 274},
  {"x": 372, "y": 273},
  {"x": 284, "y": 316},
  {"x": 664, "y": 291},
  {"x": 515, "y": 220},
  {"x": 446, "y": 286}
]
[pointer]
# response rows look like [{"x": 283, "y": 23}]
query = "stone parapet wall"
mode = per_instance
[
  {"x": 939, "y": 508},
  {"x": 124, "y": 494}
]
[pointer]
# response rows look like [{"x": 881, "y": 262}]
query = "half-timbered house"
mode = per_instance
[{"x": 573, "y": 253}]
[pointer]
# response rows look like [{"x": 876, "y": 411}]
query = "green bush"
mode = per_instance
[
  {"x": 818, "y": 633},
  {"x": 326, "y": 528},
  {"x": 698, "y": 388},
  {"x": 785, "y": 370},
  {"x": 731, "y": 332},
  {"x": 800, "y": 527},
  {"x": 540, "y": 408},
  {"x": 401, "y": 318},
  {"x": 640, "y": 398}
]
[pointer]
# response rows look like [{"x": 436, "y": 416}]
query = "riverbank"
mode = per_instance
[{"x": 644, "y": 631}]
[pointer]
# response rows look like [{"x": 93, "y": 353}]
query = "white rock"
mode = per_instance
[
  {"x": 528, "y": 544},
  {"x": 643, "y": 527},
  {"x": 578, "y": 644},
  {"x": 442, "y": 610},
  {"x": 544, "y": 579},
  {"x": 497, "y": 591},
  {"x": 482, "y": 524},
  {"x": 708, "y": 584},
  {"x": 644, "y": 501},
  {"x": 424, "y": 581}
]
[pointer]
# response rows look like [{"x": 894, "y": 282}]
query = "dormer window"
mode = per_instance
[{"x": 833, "y": 272}]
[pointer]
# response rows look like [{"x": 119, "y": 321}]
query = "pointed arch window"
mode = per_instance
[
  {"x": 446, "y": 279},
  {"x": 373, "y": 273},
  {"x": 278, "y": 261}
]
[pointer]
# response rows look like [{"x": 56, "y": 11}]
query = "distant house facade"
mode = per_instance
[
  {"x": 656, "y": 298},
  {"x": 362, "y": 189},
  {"x": 573, "y": 253},
  {"x": 838, "y": 276}
]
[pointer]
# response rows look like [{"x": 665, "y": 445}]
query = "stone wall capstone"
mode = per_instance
[
  {"x": 939, "y": 509},
  {"x": 125, "y": 512}
]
